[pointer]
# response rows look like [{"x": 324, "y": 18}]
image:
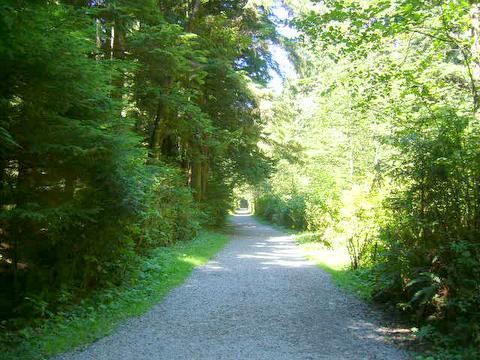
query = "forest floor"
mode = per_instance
[{"x": 259, "y": 298}]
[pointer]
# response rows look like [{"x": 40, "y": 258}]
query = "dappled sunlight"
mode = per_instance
[
  {"x": 288, "y": 263},
  {"x": 271, "y": 252},
  {"x": 279, "y": 238},
  {"x": 277, "y": 251},
  {"x": 214, "y": 266},
  {"x": 193, "y": 260},
  {"x": 260, "y": 245},
  {"x": 307, "y": 235},
  {"x": 336, "y": 258},
  {"x": 366, "y": 330}
]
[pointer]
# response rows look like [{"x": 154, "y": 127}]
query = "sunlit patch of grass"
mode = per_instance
[
  {"x": 310, "y": 237},
  {"x": 193, "y": 260},
  {"x": 335, "y": 258},
  {"x": 336, "y": 262},
  {"x": 100, "y": 314}
]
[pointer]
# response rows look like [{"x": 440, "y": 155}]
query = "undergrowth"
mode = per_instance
[{"x": 98, "y": 315}]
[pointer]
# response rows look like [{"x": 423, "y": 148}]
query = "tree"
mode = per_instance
[{"x": 124, "y": 126}]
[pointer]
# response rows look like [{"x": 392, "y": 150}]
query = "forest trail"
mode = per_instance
[{"x": 258, "y": 299}]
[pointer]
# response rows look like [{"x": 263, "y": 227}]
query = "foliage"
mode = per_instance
[
  {"x": 124, "y": 127},
  {"x": 100, "y": 313},
  {"x": 386, "y": 111}
]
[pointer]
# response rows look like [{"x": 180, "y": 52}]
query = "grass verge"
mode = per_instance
[
  {"x": 100, "y": 314},
  {"x": 336, "y": 262}
]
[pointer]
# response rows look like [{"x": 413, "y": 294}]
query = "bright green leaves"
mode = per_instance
[{"x": 387, "y": 116}]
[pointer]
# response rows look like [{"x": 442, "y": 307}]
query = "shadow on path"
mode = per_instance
[{"x": 258, "y": 299}]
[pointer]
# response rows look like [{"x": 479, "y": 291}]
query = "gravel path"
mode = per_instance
[{"x": 258, "y": 299}]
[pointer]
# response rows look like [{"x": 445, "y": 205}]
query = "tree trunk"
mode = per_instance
[
  {"x": 117, "y": 51},
  {"x": 19, "y": 227},
  {"x": 118, "y": 44},
  {"x": 475, "y": 18},
  {"x": 196, "y": 182},
  {"x": 195, "y": 8},
  {"x": 205, "y": 169},
  {"x": 158, "y": 133},
  {"x": 98, "y": 31}
]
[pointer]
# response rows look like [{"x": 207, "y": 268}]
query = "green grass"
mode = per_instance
[
  {"x": 336, "y": 262},
  {"x": 100, "y": 314}
]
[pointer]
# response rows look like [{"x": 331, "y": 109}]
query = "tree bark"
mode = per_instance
[
  {"x": 196, "y": 182},
  {"x": 193, "y": 14},
  {"x": 118, "y": 45},
  {"x": 158, "y": 132},
  {"x": 19, "y": 226},
  {"x": 205, "y": 169},
  {"x": 475, "y": 50}
]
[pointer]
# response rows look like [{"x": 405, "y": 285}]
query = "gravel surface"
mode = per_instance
[{"x": 258, "y": 299}]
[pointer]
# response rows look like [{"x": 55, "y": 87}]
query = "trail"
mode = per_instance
[{"x": 258, "y": 299}]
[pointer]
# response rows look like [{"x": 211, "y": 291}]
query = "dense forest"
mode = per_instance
[
  {"x": 124, "y": 126},
  {"x": 128, "y": 125}
]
